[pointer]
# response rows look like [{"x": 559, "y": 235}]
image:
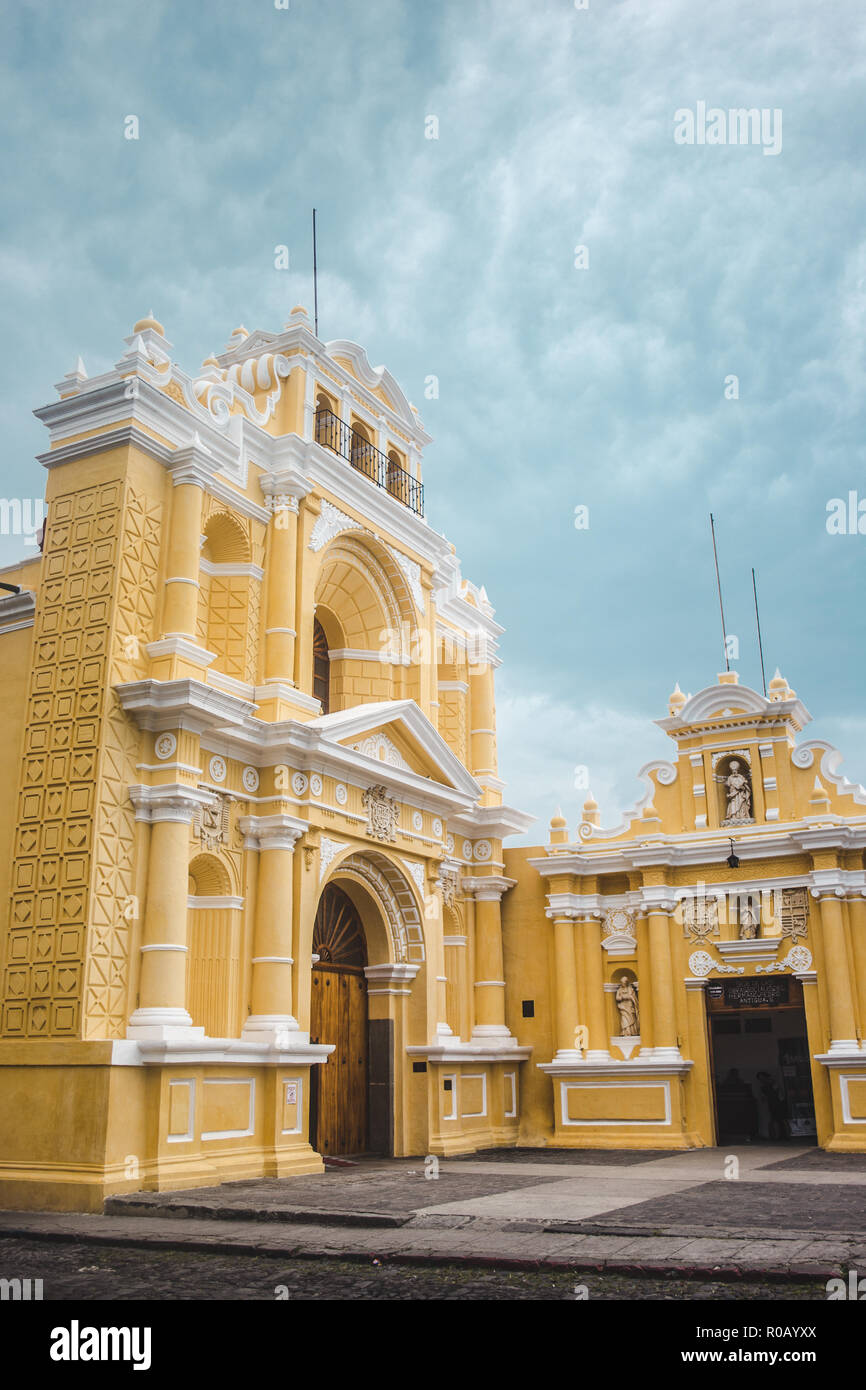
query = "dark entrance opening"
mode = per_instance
[{"x": 759, "y": 1058}]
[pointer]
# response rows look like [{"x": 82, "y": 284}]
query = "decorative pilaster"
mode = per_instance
[
  {"x": 565, "y": 984},
  {"x": 489, "y": 970},
  {"x": 275, "y": 838},
  {"x": 660, "y": 909},
  {"x": 161, "y": 1013},
  {"x": 840, "y": 996},
  {"x": 592, "y": 968}
]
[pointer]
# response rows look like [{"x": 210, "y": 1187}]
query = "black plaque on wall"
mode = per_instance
[{"x": 752, "y": 993}]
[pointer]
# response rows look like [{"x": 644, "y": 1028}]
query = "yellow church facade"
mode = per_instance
[
  {"x": 704, "y": 977},
  {"x": 258, "y": 907}
]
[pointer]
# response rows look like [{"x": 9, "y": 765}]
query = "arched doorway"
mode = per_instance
[{"x": 338, "y": 1015}]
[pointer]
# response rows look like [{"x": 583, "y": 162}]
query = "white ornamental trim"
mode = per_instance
[
  {"x": 250, "y": 779},
  {"x": 412, "y": 571},
  {"x": 328, "y": 851},
  {"x": 299, "y": 784},
  {"x": 467, "y": 849},
  {"x": 316, "y": 784},
  {"x": 380, "y": 747},
  {"x": 341, "y": 794},
  {"x": 483, "y": 850},
  {"x": 329, "y": 523},
  {"x": 164, "y": 746},
  {"x": 701, "y": 963},
  {"x": 417, "y": 821},
  {"x": 798, "y": 958},
  {"x": 416, "y": 872}
]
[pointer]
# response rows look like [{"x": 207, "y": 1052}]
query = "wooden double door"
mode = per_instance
[{"x": 338, "y": 1015}]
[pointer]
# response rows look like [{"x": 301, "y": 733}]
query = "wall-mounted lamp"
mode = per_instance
[{"x": 732, "y": 861}]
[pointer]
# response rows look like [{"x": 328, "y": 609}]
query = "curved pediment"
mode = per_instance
[
  {"x": 723, "y": 699},
  {"x": 374, "y": 378}
]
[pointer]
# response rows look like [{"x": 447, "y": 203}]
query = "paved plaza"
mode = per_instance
[{"x": 754, "y": 1216}]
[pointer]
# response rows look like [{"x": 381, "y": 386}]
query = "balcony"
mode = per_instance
[{"x": 334, "y": 434}]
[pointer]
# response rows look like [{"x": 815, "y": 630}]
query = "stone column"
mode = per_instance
[
  {"x": 180, "y": 607},
  {"x": 482, "y": 713},
  {"x": 565, "y": 984},
  {"x": 857, "y": 927},
  {"x": 283, "y": 492},
  {"x": 489, "y": 971},
  {"x": 840, "y": 997},
  {"x": 161, "y": 1012},
  {"x": 592, "y": 965},
  {"x": 662, "y": 983},
  {"x": 275, "y": 837}
]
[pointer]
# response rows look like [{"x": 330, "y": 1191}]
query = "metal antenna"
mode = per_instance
[
  {"x": 719, "y": 587},
  {"x": 758, "y": 621},
  {"x": 315, "y": 279}
]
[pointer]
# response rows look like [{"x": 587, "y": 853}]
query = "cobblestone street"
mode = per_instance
[{"x": 72, "y": 1271}]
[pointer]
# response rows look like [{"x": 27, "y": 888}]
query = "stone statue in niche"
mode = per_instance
[
  {"x": 738, "y": 793},
  {"x": 627, "y": 1006},
  {"x": 748, "y": 921}
]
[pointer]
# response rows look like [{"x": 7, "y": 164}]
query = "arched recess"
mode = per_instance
[
  {"x": 213, "y": 935},
  {"x": 366, "y": 595},
  {"x": 229, "y": 598},
  {"x": 389, "y": 911}
]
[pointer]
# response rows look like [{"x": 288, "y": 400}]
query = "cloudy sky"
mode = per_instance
[{"x": 605, "y": 384}]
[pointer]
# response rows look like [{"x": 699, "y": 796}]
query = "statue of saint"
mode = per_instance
[
  {"x": 748, "y": 921},
  {"x": 739, "y": 795},
  {"x": 629, "y": 1013}
]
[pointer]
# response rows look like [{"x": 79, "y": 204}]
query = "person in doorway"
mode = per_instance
[{"x": 776, "y": 1108}]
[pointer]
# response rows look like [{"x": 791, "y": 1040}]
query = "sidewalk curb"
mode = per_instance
[
  {"x": 800, "y": 1273},
  {"x": 299, "y": 1216}
]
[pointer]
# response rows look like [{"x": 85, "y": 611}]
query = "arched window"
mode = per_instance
[
  {"x": 326, "y": 422},
  {"x": 321, "y": 667},
  {"x": 395, "y": 475},
  {"x": 363, "y": 453}
]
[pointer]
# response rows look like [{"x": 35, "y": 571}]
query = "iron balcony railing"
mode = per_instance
[{"x": 335, "y": 434}]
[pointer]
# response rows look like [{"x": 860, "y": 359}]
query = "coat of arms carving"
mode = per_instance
[
  {"x": 792, "y": 912},
  {"x": 382, "y": 813},
  {"x": 700, "y": 918},
  {"x": 212, "y": 822}
]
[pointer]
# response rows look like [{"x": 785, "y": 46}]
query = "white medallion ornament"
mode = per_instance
[
  {"x": 467, "y": 849},
  {"x": 217, "y": 769},
  {"x": 417, "y": 821},
  {"x": 165, "y": 746},
  {"x": 437, "y": 827},
  {"x": 483, "y": 850},
  {"x": 250, "y": 779},
  {"x": 316, "y": 784},
  {"x": 299, "y": 784},
  {"x": 701, "y": 963},
  {"x": 341, "y": 794}
]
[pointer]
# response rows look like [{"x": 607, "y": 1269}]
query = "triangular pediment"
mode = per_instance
[{"x": 395, "y": 734}]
